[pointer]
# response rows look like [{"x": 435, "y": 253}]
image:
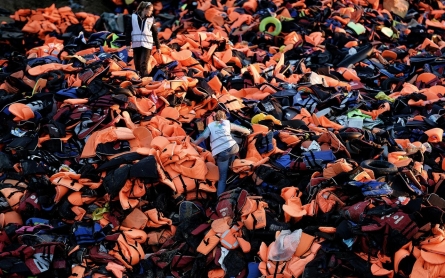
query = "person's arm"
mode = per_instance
[
  {"x": 154, "y": 32},
  {"x": 128, "y": 30},
  {"x": 240, "y": 129},
  {"x": 204, "y": 135}
]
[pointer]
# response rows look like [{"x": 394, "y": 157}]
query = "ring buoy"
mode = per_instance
[
  {"x": 271, "y": 20},
  {"x": 380, "y": 167}
]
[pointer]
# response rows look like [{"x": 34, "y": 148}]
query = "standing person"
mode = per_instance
[
  {"x": 223, "y": 146},
  {"x": 143, "y": 35}
]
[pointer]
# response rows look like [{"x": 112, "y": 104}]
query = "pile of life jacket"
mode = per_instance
[{"x": 341, "y": 176}]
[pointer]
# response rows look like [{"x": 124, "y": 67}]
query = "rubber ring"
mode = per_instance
[{"x": 271, "y": 20}]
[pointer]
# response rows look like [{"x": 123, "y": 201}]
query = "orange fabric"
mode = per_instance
[
  {"x": 405, "y": 251},
  {"x": 256, "y": 219},
  {"x": 67, "y": 179},
  {"x": 245, "y": 167},
  {"x": 130, "y": 249},
  {"x": 21, "y": 112},
  {"x": 329, "y": 230},
  {"x": 296, "y": 265},
  {"x": 214, "y": 16},
  {"x": 110, "y": 134},
  {"x": 326, "y": 200},
  {"x": 217, "y": 273},
  {"x": 156, "y": 219},
  {"x": 131, "y": 192},
  {"x": 337, "y": 167},
  {"x": 228, "y": 239},
  {"x": 159, "y": 237},
  {"x": 244, "y": 244},
  {"x": 50, "y": 67},
  {"x": 377, "y": 268},
  {"x": 252, "y": 151},
  {"x": 435, "y": 135},
  {"x": 399, "y": 159},
  {"x": 293, "y": 209},
  {"x": 10, "y": 217},
  {"x": 375, "y": 113},
  {"x": 331, "y": 141},
  {"x": 116, "y": 269},
  {"x": 290, "y": 139},
  {"x": 136, "y": 219},
  {"x": 315, "y": 38},
  {"x": 210, "y": 241}
]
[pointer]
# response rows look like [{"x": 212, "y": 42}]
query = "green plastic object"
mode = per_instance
[
  {"x": 357, "y": 27},
  {"x": 387, "y": 31},
  {"x": 383, "y": 96},
  {"x": 271, "y": 20},
  {"x": 114, "y": 37},
  {"x": 358, "y": 114},
  {"x": 99, "y": 212}
]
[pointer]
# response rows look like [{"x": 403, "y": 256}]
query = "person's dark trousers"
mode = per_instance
[{"x": 141, "y": 55}]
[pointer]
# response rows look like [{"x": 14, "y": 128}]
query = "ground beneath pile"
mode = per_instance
[{"x": 90, "y": 6}]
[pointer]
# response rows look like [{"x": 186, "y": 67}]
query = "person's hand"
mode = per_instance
[
  {"x": 158, "y": 51},
  {"x": 128, "y": 48}
]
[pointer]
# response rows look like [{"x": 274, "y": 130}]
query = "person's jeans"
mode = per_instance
[
  {"x": 223, "y": 160},
  {"x": 141, "y": 56}
]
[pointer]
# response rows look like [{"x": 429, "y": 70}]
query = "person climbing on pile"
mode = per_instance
[
  {"x": 224, "y": 147},
  {"x": 143, "y": 35}
]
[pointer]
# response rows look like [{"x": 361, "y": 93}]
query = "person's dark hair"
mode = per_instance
[{"x": 142, "y": 6}]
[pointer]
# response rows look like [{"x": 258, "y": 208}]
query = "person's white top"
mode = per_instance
[
  {"x": 220, "y": 137},
  {"x": 142, "y": 35}
]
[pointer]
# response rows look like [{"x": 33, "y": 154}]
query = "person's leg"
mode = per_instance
[
  {"x": 233, "y": 152},
  {"x": 145, "y": 57},
  {"x": 223, "y": 160},
  {"x": 223, "y": 166},
  {"x": 137, "y": 58}
]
